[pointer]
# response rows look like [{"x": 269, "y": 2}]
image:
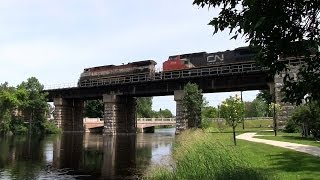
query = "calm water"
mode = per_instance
[{"x": 83, "y": 156}]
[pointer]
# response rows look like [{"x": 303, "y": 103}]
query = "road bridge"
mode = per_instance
[
  {"x": 144, "y": 125},
  {"x": 119, "y": 95}
]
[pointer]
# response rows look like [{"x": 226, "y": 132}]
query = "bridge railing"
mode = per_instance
[
  {"x": 60, "y": 86},
  {"x": 156, "y": 119},
  {"x": 245, "y": 67},
  {"x": 86, "y": 120},
  {"x": 143, "y": 77},
  {"x": 246, "y": 119}
]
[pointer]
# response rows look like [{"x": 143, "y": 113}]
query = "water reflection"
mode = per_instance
[{"x": 83, "y": 156}]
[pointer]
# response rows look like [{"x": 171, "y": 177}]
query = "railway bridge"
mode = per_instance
[{"x": 119, "y": 96}]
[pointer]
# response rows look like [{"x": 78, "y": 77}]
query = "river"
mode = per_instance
[{"x": 84, "y": 156}]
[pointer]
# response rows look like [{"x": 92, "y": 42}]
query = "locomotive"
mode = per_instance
[
  {"x": 121, "y": 73},
  {"x": 124, "y": 73},
  {"x": 203, "y": 59}
]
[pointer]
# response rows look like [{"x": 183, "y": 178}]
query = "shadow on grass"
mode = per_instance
[
  {"x": 242, "y": 173},
  {"x": 239, "y": 131},
  {"x": 295, "y": 162},
  {"x": 298, "y": 138},
  {"x": 291, "y": 138}
]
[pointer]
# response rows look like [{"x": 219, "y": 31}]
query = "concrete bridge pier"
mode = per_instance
[
  {"x": 68, "y": 114},
  {"x": 119, "y": 114},
  {"x": 181, "y": 121}
]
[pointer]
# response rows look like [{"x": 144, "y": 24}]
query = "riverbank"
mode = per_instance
[{"x": 199, "y": 155}]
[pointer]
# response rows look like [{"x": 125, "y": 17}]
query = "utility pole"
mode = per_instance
[{"x": 244, "y": 107}]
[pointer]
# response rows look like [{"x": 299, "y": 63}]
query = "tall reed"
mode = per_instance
[{"x": 199, "y": 156}]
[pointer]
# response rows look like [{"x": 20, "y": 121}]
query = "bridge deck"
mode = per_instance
[{"x": 246, "y": 76}]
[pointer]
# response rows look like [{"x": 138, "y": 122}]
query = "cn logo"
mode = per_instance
[{"x": 215, "y": 57}]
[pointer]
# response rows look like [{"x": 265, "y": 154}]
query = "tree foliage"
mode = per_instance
[
  {"x": 271, "y": 27},
  {"x": 144, "y": 107},
  {"x": 33, "y": 103},
  {"x": 24, "y": 108},
  {"x": 266, "y": 97},
  {"x": 193, "y": 102},
  {"x": 307, "y": 117},
  {"x": 232, "y": 110},
  {"x": 256, "y": 108},
  {"x": 166, "y": 113},
  {"x": 209, "y": 112},
  {"x": 94, "y": 109},
  {"x": 274, "y": 108}
]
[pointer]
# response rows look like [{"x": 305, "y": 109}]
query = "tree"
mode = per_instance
[
  {"x": 260, "y": 107},
  {"x": 144, "y": 107},
  {"x": 33, "y": 104},
  {"x": 249, "y": 110},
  {"x": 277, "y": 29},
  {"x": 193, "y": 102},
  {"x": 209, "y": 112},
  {"x": 256, "y": 108},
  {"x": 164, "y": 113},
  {"x": 274, "y": 109},
  {"x": 94, "y": 109},
  {"x": 8, "y": 102},
  {"x": 307, "y": 116},
  {"x": 26, "y": 103},
  {"x": 232, "y": 110},
  {"x": 265, "y": 96}
]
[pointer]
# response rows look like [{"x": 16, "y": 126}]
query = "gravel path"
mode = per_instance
[{"x": 293, "y": 146}]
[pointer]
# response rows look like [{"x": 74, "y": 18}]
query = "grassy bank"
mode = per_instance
[
  {"x": 199, "y": 155},
  {"x": 289, "y": 137},
  {"x": 249, "y": 125}
]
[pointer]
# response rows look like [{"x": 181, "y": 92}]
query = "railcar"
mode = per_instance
[
  {"x": 203, "y": 59},
  {"x": 116, "y": 73}
]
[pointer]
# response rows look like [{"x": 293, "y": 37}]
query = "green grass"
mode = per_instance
[
  {"x": 249, "y": 126},
  {"x": 199, "y": 155},
  {"x": 289, "y": 137}
]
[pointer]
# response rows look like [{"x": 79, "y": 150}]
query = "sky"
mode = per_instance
[{"x": 55, "y": 40}]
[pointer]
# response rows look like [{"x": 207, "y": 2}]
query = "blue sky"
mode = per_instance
[{"x": 55, "y": 40}]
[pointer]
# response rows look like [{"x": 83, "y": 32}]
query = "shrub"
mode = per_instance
[
  {"x": 291, "y": 127},
  {"x": 51, "y": 128},
  {"x": 308, "y": 118},
  {"x": 205, "y": 123},
  {"x": 20, "y": 129}
]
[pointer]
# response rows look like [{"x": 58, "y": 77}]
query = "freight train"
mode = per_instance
[{"x": 125, "y": 73}]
